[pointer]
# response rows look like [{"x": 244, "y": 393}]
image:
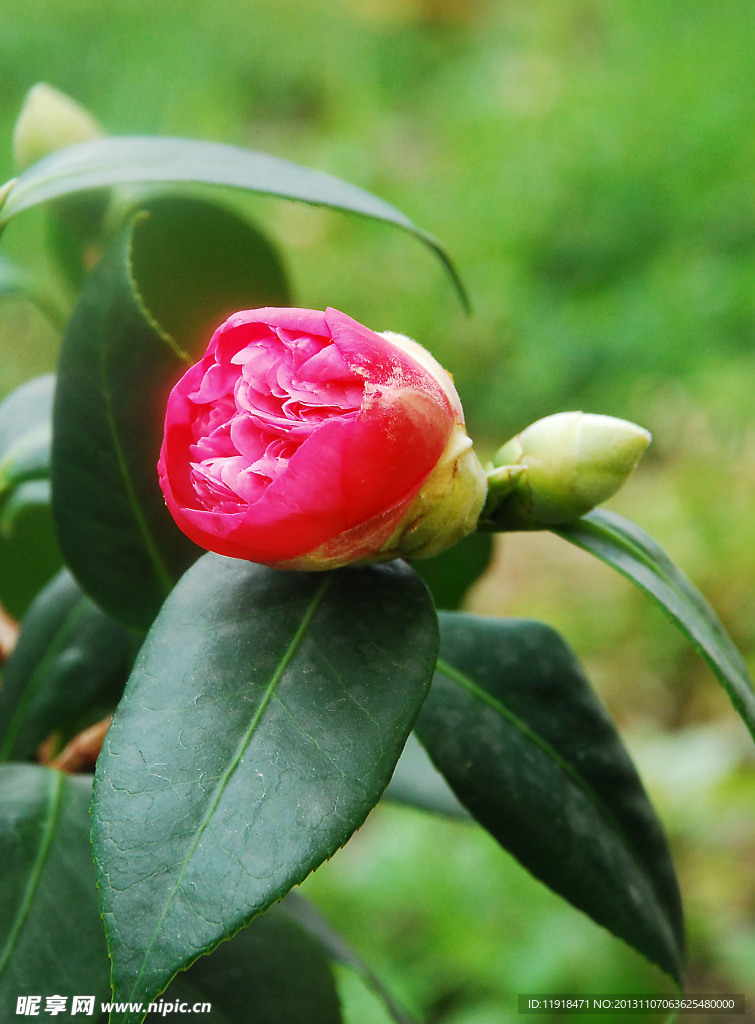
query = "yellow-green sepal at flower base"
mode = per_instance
[
  {"x": 559, "y": 469},
  {"x": 447, "y": 506}
]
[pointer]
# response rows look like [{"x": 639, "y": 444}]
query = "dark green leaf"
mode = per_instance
[
  {"x": 29, "y": 552},
  {"x": 25, "y": 433},
  {"x": 51, "y": 937},
  {"x": 269, "y": 973},
  {"x": 450, "y": 574},
  {"x": 118, "y": 161},
  {"x": 628, "y": 549},
  {"x": 262, "y": 721},
  {"x": 114, "y": 375},
  {"x": 194, "y": 263},
  {"x": 520, "y": 736},
  {"x": 68, "y": 656}
]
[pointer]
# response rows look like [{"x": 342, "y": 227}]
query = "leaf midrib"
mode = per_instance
[
  {"x": 164, "y": 577},
  {"x": 223, "y": 781},
  {"x": 479, "y": 693},
  {"x": 55, "y": 798}
]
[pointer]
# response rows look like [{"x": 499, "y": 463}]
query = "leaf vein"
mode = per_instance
[
  {"x": 283, "y": 664},
  {"x": 53, "y": 810},
  {"x": 479, "y": 693},
  {"x": 163, "y": 575}
]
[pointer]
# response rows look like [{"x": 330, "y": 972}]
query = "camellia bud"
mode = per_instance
[
  {"x": 303, "y": 440},
  {"x": 560, "y": 468},
  {"x": 50, "y": 120}
]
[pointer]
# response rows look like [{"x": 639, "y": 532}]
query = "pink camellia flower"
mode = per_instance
[{"x": 303, "y": 440}]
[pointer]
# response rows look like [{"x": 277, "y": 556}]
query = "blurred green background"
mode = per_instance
[{"x": 589, "y": 167}]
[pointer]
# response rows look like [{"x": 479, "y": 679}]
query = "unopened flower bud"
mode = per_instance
[
  {"x": 303, "y": 440},
  {"x": 568, "y": 463},
  {"x": 50, "y": 120}
]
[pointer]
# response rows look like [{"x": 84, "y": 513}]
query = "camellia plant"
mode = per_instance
[{"x": 243, "y": 530}]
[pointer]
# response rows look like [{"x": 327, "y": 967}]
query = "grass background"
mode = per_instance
[{"x": 589, "y": 166}]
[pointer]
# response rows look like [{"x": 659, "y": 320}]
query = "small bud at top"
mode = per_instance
[
  {"x": 50, "y": 120},
  {"x": 570, "y": 463}
]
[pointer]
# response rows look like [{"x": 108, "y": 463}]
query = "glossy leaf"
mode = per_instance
[
  {"x": 25, "y": 433},
  {"x": 627, "y": 548},
  {"x": 526, "y": 746},
  {"x": 29, "y": 551},
  {"x": 69, "y": 657},
  {"x": 130, "y": 160},
  {"x": 308, "y": 685},
  {"x": 114, "y": 374},
  {"x": 194, "y": 263},
  {"x": 450, "y": 574},
  {"x": 117, "y": 367},
  {"x": 270, "y": 972},
  {"x": 51, "y": 936}
]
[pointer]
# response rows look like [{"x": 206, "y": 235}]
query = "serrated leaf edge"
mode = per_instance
[
  {"x": 136, "y": 218},
  {"x": 163, "y": 574},
  {"x": 463, "y": 680}
]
